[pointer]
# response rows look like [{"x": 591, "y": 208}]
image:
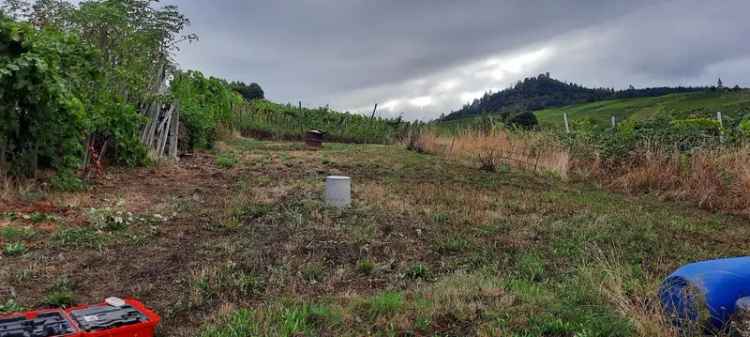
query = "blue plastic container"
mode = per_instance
[{"x": 711, "y": 287}]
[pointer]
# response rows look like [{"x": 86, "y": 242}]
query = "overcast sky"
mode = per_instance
[{"x": 421, "y": 58}]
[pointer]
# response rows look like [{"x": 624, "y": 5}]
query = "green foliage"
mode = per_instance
[
  {"x": 417, "y": 271},
  {"x": 206, "y": 103},
  {"x": 11, "y": 306},
  {"x": 78, "y": 238},
  {"x": 226, "y": 160},
  {"x": 14, "y": 249},
  {"x": 248, "y": 92},
  {"x": 452, "y": 245},
  {"x": 531, "y": 267},
  {"x": 71, "y": 83},
  {"x": 543, "y": 92},
  {"x": 240, "y": 323},
  {"x": 705, "y": 104},
  {"x": 664, "y": 131},
  {"x": 265, "y": 119},
  {"x": 41, "y": 121},
  {"x": 526, "y": 120},
  {"x": 365, "y": 266},
  {"x": 694, "y": 132},
  {"x": 12, "y": 233},
  {"x": 385, "y": 304},
  {"x": 53, "y": 99},
  {"x": 66, "y": 180},
  {"x": 744, "y": 127},
  {"x": 283, "y": 320},
  {"x": 60, "y": 295}
]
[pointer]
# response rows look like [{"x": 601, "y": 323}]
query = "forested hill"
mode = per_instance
[{"x": 543, "y": 91}]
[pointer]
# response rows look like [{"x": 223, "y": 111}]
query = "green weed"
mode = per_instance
[
  {"x": 531, "y": 267},
  {"x": 226, "y": 160},
  {"x": 313, "y": 272},
  {"x": 14, "y": 249},
  {"x": 417, "y": 271},
  {"x": 385, "y": 304},
  {"x": 60, "y": 294},
  {"x": 365, "y": 266},
  {"x": 11, "y": 306},
  {"x": 78, "y": 238},
  {"x": 451, "y": 245},
  {"x": 13, "y": 233}
]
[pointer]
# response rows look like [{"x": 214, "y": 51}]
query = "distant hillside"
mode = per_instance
[
  {"x": 732, "y": 103},
  {"x": 542, "y": 92}
]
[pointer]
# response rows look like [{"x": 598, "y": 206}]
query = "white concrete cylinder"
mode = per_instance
[{"x": 338, "y": 191}]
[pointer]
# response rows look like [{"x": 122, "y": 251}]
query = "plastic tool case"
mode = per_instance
[
  {"x": 132, "y": 319},
  {"x": 43, "y": 323}
]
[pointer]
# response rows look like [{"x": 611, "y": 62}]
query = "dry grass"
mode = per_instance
[
  {"x": 466, "y": 296},
  {"x": 533, "y": 151},
  {"x": 714, "y": 179},
  {"x": 632, "y": 297}
]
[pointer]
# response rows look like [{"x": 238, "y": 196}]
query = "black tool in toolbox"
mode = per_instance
[
  {"x": 44, "y": 325},
  {"x": 106, "y": 317}
]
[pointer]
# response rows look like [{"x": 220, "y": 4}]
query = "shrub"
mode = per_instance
[
  {"x": 205, "y": 104},
  {"x": 41, "y": 121},
  {"x": 526, "y": 120},
  {"x": 55, "y": 104},
  {"x": 67, "y": 181}
]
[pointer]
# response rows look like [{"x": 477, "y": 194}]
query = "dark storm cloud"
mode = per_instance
[
  {"x": 678, "y": 43},
  {"x": 427, "y": 57}
]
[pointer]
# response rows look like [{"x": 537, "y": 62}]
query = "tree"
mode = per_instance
[
  {"x": 526, "y": 120},
  {"x": 41, "y": 120},
  {"x": 719, "y": 83},
  {"x": 248, "y": 92},
  {"x": 15, "y": 9},
  {"x": 205, "y": 103},
  {"x": 52, "y": 14}
]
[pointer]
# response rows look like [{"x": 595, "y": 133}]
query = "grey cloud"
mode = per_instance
[{"x": 351, "y": 54}]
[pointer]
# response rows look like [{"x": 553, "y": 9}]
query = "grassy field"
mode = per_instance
[
  {"x": 237, "y": 243},
  {"x": 701, "y": 104}
]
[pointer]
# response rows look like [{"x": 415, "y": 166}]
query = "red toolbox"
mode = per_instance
[
  {"x": 132, "y": 319},
  {"x": 40, "y": 323},
  {"x": 126, "y": 318}
]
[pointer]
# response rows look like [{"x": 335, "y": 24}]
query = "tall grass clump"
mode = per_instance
[
  {"x": 489, "y": 149},
  {"x": 631, "y": 292},
  {"x": 694, "y": 159}
]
